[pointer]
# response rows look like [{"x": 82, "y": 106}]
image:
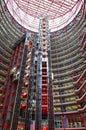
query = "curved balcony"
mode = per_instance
[
  {"x": 6, "y": 30},
  {"x": 66, "y": 113},
  {"x": 80, "y": 68},
  {"x": 65, "y": 39},
  {"x": 75, "y": 76},
  {"x": 63, "y": 80},
  {"x": 65, "y": 50},
  {"x": 81, "y": 88},
  {"x": 84, "y": 55},
  {"x": 8, "y": 26},
  {"x": 63, "y": 95},
  {"x": 69, "y": 45},
  {"x": 67, "y": 65},
  {"x": 84, "y": 46},
  {"x": 63, "y": 74},
  {"x": 80, "y": 78},
  {"x": 82, "y": 98},
  {"x": 6, "y": 48},
  {"x": 4, "y": 59},
  {"x": 65, "y": 69},
  {"x": 68, "y": 55},
  {"x": 82, "y": 109},
  {"x": 72, "y": 59},
  {"x": 65, "y": 103},
  {"x": 62, "y": 88},
  {"x": 68, "y": 74},
  {"x": 4, "y": 66},
  {"x": 84, "y": 62},
  {"x": 6, "y": 53},
  {"x": 72, "y": 31}
]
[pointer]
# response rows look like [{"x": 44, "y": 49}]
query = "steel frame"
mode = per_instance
[{"x": 60, "y": 12}]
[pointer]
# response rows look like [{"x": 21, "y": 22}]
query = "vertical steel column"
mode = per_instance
[
  {"x": 28, "y": 117},
  {"x": 44, "y": 57},
  {"x": 50, "y": 96},
  {"x": 16, "y": 108},
  {"x": 38, "y": 89}
]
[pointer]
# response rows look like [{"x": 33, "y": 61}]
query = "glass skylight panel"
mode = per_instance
[{"x": 60, "y": 13}]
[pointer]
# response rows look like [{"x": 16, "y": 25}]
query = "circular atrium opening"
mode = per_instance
[{"x": 60, "y": 12}]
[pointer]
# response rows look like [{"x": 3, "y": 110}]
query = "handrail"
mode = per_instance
[
  {"x": 81, "y": 87},
  {"x": 82, "y": 98},
  {"x": 80, "y": 78}
]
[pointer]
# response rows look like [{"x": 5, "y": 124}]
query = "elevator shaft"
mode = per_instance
[{"x": 43, "y": 102}]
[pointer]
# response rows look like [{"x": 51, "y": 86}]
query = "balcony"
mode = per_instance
[
  {"x": 65, "y": 103},
  {"x": 66, "y": 113},
  {"x": 82, "y": 98},
  {"x": 81, "y": 88},
  {"x": 4, "y": 59},
  {"x": 63, "y": 95},
  {"x": 4, "y": 66},
  {"x": 82, "y": 109},
  {"x": 80, "y": 78}
]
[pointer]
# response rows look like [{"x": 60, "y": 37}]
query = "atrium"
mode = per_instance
[{"x": 42, "y": 64}]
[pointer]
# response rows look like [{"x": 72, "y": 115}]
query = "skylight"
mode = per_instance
[{"x": 60, "y": 12}]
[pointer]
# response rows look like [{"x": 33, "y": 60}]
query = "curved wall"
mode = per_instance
[
  {"x": 68, "y": 66},
  {"x": 68, "y": 55}
]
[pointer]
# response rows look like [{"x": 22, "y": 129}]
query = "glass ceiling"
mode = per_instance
[{"x": 60, "y": 12}]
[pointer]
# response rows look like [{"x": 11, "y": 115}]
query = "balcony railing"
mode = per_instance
[{"x": 80, "y": 78}]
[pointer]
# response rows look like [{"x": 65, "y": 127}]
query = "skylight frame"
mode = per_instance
[{"x": 63, "y": 17}]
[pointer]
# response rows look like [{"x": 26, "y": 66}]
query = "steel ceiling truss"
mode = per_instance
[
  {"x": 53, "y": 8},
  {"x": 60, "y": 12}
]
